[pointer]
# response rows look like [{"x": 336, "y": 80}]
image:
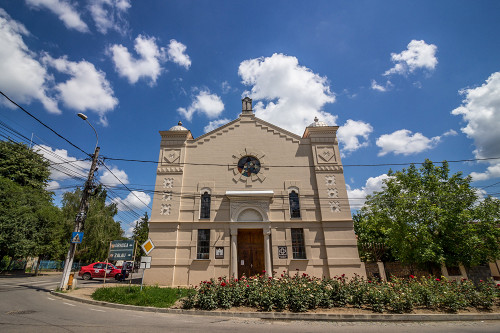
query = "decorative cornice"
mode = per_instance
[
  {"x": 331, "y": 140},
  {"x": 277, "y": 131},
  {"x": 329, "y": 168},
  {"x": 170, "y": 169},
  {"x": 217, "y": 132}
]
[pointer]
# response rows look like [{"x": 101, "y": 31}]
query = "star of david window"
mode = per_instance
[{"x": 248, "y": 165}]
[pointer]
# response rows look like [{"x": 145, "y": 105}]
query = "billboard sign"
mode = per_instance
[{"x": 121, "y": 250}]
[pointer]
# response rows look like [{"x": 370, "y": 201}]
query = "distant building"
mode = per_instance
[{"x": 250, "y": 197}]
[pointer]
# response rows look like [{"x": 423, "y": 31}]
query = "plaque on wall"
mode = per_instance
[
  {"x": 282, "y": 252},
  {"x": 219, "y": 253}
]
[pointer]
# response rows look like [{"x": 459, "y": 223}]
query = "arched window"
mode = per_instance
[
  {"x": 293, "y": 198},
  {"x": 205, "y": 205}
]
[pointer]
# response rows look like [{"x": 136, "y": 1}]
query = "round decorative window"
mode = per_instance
[{"x": 248, "y": 165}]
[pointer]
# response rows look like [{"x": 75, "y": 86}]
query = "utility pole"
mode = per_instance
[
  {"x": 79, "y": 220},
  {"x": 82, "y": 211}
]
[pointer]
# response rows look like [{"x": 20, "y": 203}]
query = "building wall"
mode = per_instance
[{"x": 310, "y": 164}]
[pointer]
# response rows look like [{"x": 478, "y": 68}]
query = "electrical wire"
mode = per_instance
[
  {"x": 46, "y": 126},
  {"x": 124, "y": 184},
  {"x": 74, "y": 174},
  {"x": 302, "y": 166}
]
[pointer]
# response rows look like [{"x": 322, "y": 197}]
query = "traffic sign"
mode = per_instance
[
  {"x": 121, "y": 250},
  {"x": 76, "y": 237},
  {"x": 145, "y": 262},
  {"x": 148, "y": 246}
]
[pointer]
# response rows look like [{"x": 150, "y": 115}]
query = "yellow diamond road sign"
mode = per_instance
[{"x": 148, "y": 246}]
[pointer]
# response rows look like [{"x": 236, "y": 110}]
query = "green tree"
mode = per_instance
[
  {"x": 141, "y": 232},
  {"x": 427, "y": 217},
  {"x": 487, "y": 230},
  {"x": 30, "y": 224},
  {"x": 100, "y": 228},
  {"x": 23, "y": 166}
]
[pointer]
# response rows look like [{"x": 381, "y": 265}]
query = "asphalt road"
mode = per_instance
[{"x": 27, "y": 306}]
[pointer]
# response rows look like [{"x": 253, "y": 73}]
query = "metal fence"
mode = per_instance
[
  {"x": 30, "y": 265},
  {"x": 57, "y": 265}
]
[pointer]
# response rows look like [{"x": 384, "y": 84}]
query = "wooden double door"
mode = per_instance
[{"x": 250, "y": 252}]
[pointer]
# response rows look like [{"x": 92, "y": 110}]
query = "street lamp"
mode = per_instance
[
  {"x": 84, "y": 117},
  {"x": 82, "y": 211}
]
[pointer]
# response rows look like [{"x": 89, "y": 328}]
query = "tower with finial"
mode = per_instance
[{"x": 246, "y": 107}]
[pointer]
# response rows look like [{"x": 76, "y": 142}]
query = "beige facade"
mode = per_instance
[{"x": 225, "y": 204}]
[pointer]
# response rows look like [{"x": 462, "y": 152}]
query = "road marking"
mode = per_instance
[
  {"x": 97, "y": 310},
  {"x": 52, "y": 299},
  {"x": 22, "y": 284},
  {"x": 69, "y": 304}
]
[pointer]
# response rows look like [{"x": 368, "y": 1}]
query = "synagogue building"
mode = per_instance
[{"x": 250, "y": 197}]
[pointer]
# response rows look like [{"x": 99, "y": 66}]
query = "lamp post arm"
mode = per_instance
[{"x": 96, "y": 136}]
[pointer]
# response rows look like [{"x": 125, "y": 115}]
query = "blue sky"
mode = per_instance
[{"x": 404, "y": 80}]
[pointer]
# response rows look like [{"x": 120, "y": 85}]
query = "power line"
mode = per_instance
[
  {"x": 46, "y": 126},
  {"x": 124, "y": 184},
  {"x": 483, "y": 187},
  {"x": 302, "y": 166}
]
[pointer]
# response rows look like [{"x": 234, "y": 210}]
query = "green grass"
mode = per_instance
[{"x": 149, "y": 296}]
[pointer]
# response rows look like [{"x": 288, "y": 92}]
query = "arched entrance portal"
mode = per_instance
[
  {"x": 250, "y": 245},
  {"x": 250, "y": 252}
]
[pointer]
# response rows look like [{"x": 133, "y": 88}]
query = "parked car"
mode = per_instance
[{"x": 96, "y": 270}]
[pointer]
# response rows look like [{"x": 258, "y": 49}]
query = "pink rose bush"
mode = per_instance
[{"x": 301, "y": 292}]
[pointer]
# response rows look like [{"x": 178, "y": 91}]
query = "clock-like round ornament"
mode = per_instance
[{"x": 248, "y": 165}]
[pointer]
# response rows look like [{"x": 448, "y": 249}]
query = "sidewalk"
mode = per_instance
[{"x": 83, "y": 295}]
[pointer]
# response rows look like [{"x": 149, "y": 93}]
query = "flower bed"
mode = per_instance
[{"x": 300, "y": 293}]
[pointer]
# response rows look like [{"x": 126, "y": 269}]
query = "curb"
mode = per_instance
[{"x": 294, "y": 316}]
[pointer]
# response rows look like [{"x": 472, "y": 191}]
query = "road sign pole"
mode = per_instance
[
  {"x": 142, "y": 279},
  {"x": 107, "y": 260},
  {"x": 133, "y": 264},
  {"x": 79, "y": 220}
]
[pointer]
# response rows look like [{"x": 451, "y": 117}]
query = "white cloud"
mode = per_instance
[
  {"x": 403, "y": 142},
  {"x": 64, "y": 10},
  {"x": 451, "y": 132},
  {"x": 480, "y": 109},
  {"x": 52, "y": 186},
  {"x": 418, "y": 55},
  {"x": 226, "y": 87},
  {"x": 493, "y": 171},
  {"x": 288, "y": 95},
  {"x": 134, "y": 200},
  {"x": 350, "y": 134},
  {"x": 147, "y": 66},
  {"x": 109, "y": 15},
  {"x": 63, "y": 166},
  {"x": 214, "y": 124},
  {"x": 87, "y": 89},
  {"x": 108, "y": 178},
  {"x": 176, "y": 53},
  {"x": 378, "y": 87},
  {"x": 22, "y": 77},
  {"x": 128, "y": 231},
  {"x": 357, "y": 197},
  {"x": 209, "y": 104}
]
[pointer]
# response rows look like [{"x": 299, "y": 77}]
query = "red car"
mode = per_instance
[{"x": 96, "y": 270}]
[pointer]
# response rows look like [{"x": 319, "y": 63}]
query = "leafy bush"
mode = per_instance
[{"x": 300, "y": 293}]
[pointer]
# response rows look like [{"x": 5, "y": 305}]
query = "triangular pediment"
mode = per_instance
[{"x": 259, "y": 123}]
